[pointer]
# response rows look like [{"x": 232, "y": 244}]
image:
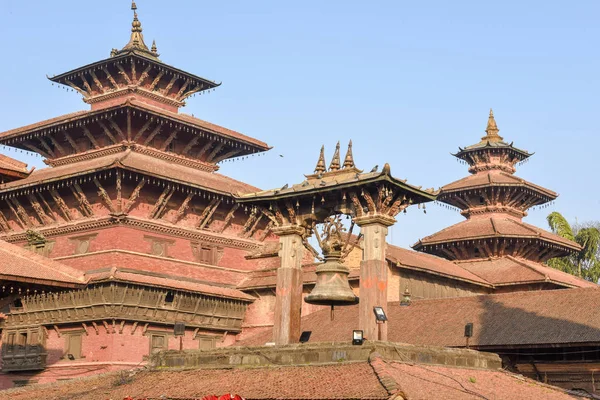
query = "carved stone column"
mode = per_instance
[
  {"x": 373, "y": 274},
  {"x": 288, "y": 301}
]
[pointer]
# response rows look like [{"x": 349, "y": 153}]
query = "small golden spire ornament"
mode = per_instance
[
  {"x": 349, "y": 159},
  {"x": 492, "y": 129},
  {"x": 154, "y": 50},
  {"x": 320, "y": 168},
  {"x": 335, "y": 161}
]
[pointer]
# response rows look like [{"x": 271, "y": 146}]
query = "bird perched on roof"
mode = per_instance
[
  {"x": 305, "y": 183},
  {"x": 284, "y": 186},
  {"x": 323, "y": 183},
  {"x": 375, "y": 168},
  {"x": 320, "y": 175}
]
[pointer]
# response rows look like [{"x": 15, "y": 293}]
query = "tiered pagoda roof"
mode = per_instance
[
  {"x": 494, "y": 201},
  {"x": 11, "y": 169}
]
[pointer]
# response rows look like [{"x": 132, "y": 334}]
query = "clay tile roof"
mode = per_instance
[
  {"x": 42, "y": 124},
  {"x": 11, "y": 164},
  {"x": 430, "y": 264},
  {"x": 494, "y": 178},
  {"x": 139, "y": 163},
  {"x": 21, "y": 265},
  {"x": 539, "y": 318},
  {"x": 493, "y": 226},
  {"x": 373, "y": 379},
  {"x": 509, "y": 271},
  {"x": 170, "y": 282}
]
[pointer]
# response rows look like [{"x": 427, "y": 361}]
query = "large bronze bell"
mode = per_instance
[{"x": 332, "y": 287}]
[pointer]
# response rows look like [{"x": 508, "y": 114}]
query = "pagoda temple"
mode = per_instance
[{"x": 494, "y": 243}]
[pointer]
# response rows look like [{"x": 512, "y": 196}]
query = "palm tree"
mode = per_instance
[{"x": 585, "y": 263}]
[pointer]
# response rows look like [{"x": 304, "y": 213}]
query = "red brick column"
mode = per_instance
[
  {"x": 288, "y": 301},
  {"x": 373, "y": 274}
]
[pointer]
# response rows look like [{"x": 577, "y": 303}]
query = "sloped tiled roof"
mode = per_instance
[
  {"x": 510, "y": 270},
  {"x": 493, "y": 226},
  {"x": 376, "y": 378},
  {"x": 494, "y": 178},
  {"x": 169, "y": 282},
  {"x": 136, "y": 162},
  {"x": 20, "y": 265},
  {"x": 534, "y": 318},
  {"x": 10, "y": 164}
]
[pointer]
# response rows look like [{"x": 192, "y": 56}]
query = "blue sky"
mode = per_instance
[{"x": 408, "y": 82}]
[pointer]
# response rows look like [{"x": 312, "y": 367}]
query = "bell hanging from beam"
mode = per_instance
[{"x": 332, "y": 287}]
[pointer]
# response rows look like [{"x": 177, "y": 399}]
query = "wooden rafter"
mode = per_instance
[
  {"x": 358, "y": 208},
  {"x": 37, "y": 207},
  {"x": 107, "y": 132},
  {"x": 183, "y": 208},
  {"x": 84, "y": 205},
  {"x": 133, "y": 72},
  {"x": 91, "y": 137},
  {"x": 183, "y": 87},
  {"x": 36, "y": 150},
  {"x": 97, "y": 82},
  {"x": 57, "y": 145},
  {"x": 190, "y": 144},
  {"x": 156, "y": 80},
  {"x": 77, "y": 88},
  {"x": 117, "y": 128},
  {"x": 47, "y": 147},
  {"x": 134, "y": 196},
  {"x": 160, "y": 202},
  {"x": 254, "y": 226},
  {"x": 44, "y": 203},
  {"x": 266, "y": 232},
  {"x": 20, "y": 212},
  {"x": 71, "y": 142},
  {"x": 152, "y": 135},
  {"x": 104, "y": 196},
  {"x": 169, "y": 86},
  {"x": 119, "y": 182},
  {"x": 204, "y": 148},
  {"x": 227, "y": 155},
  {"x": 110, "y": 78},
  {"x": 124, "y": 74},
  {"x": 214, "y": 152},
  {"x": 144, "y": 74},
  {"x": 196, "y": 89},
  {"x": 228, "y": 217},
  {"x": 208, "y": 218},
  {"x": 205, "y": 213},
  {"x": 169, "y": 139},
  {"x": 251, "y": 218},
  {"x": 86, "y": 84},
  {"x": 62, "y": 206},
  {"x": 143, "y": 129}
]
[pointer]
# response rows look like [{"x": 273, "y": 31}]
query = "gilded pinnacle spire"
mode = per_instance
[
  {"x": 153, "y": 49},
  {"x": 320, "y": 168},
  {"x": 492, "y": 130},
  {"x": 136, "y": 41},
  {"x": 349, "y": 159},
  {"x": 335, "y": 161}
]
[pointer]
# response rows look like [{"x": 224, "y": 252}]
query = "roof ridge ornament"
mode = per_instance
[
  {"x": 136, "y": 40},
  {"x": 492, "y": 130},
  {"x": 320, "y": 168},
  {"x": 335, "y": 161},
  {"x": 349, "y": 159}
]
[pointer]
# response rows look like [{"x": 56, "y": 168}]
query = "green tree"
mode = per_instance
[{"x": 585, "y": 263}]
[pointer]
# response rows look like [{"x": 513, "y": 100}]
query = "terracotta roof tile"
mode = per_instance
[
  {"x": 493, "y": 226},
  {"x": 539, "y": 318},
  {"x": 42, "y": 124},
  {"x": 494, "y": 178},
  {"x": 431, "y": 264},
  {"x": 170, "y": 282},
  {"x": 510, "y": 270},
  {"x": 11, "y": 164},
  {"x": 21, "y": 265},
  {"x": 136, "y": 162}
]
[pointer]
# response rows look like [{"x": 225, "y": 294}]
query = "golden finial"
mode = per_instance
[
  {"x": 320, "y": 168},
  {"x": 136, "y": 42},
  {"x": 335, "y": 161},
  {"x": 492, "y": 129},
  {"x": 349, "y": 159},
  {"x": 153, "y": 49},
  {"x": 133, "y": 6}
]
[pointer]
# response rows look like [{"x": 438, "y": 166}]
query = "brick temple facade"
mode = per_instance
[{"x": 130, "y": 242}]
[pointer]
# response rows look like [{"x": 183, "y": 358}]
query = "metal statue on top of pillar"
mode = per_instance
[{"x": 372, "y": 199}]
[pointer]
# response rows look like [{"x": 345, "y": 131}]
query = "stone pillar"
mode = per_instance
[
  {"x": 288, "y": 301},
  {"x": 373, "y": 274}
]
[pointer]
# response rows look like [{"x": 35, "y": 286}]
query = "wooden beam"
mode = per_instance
[
  {"x": 169, "y": 140},
  {"x": 204, "y": 148},
  {"x": 85, "y": 328},
  {"x": 21, "y": 211},
  {"x": 183, "y": 208},
  {"x": 84, "y": 204},
  {"x": 158, "y": 203},
  {"x": 190, "y": 144},
  {"x": 163, "y": 207},
  {"x": 214, "y": 152},
  {"x": 205, "y": 213},
  {"x": 97, "y": 82},
  {"x": 77, "y": 88},
  {"x": 117, "y": 128},
  {"x": 91, "y": 137},
  {"x": 155, "y": 81},
  {"x": 124, "y": 74},
  {"x": 110, "y": 78},
  {"x": 71, "y": 142},
  {"x": 129, "y": 125},
  {"x": 134, "y": 327},
  {"x": 144, "y": 74},
  {"x": 62, "y": 206},
  {"x": 35, "y": 204},
  {"x": 18, "y": 219},
  {"x": 169, "y": 86},
  {"x": 134, "y": 196},
  {"x": 86, "y": 84},
  {"x": 152, "y": 135},
  {"x": 47, "y": 147},
  {"x": 196, "y": 89},
  {"x": 4, "y": 222},
  {"x": 253, "y": 228},
  {"x": 36, "y": 150},
  {"x": 119, "y": 183},
  {"x": 143, "y": 129},
  {"x": 121, "y": 327},
  {"x": 106, "y": 326},
  {"x": 227, "y": 155},
  {"x": 107, "y": 132},
  {"x": 229, "y": 217},
  {"x": 95, "y": 325},
  {"x": 47, "y": 209},
  {"x": 57, "y": 145},
  {"x": 133, "y": 72},
  {"x": 182, "y": 89},
  {"x": 56, "y": 330},
  {"x": 104, "y": 196},
  {"x": 266, "y": 232},
  {"x": 251, "y": 218}
]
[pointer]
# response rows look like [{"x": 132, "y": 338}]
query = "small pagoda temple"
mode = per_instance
[{"x": 494, "y": 243}]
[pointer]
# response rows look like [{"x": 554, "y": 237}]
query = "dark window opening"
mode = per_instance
[
  {"x": 18, "y": 303},
  {"x": 169, "y": 297}
]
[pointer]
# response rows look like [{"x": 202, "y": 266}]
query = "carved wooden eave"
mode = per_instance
[
  {"x": 33, "y": 137},
  {"x": 467, "y": 153},
  {"x": 122, "y": 65},
  {"x": 129, "y": 302}
]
